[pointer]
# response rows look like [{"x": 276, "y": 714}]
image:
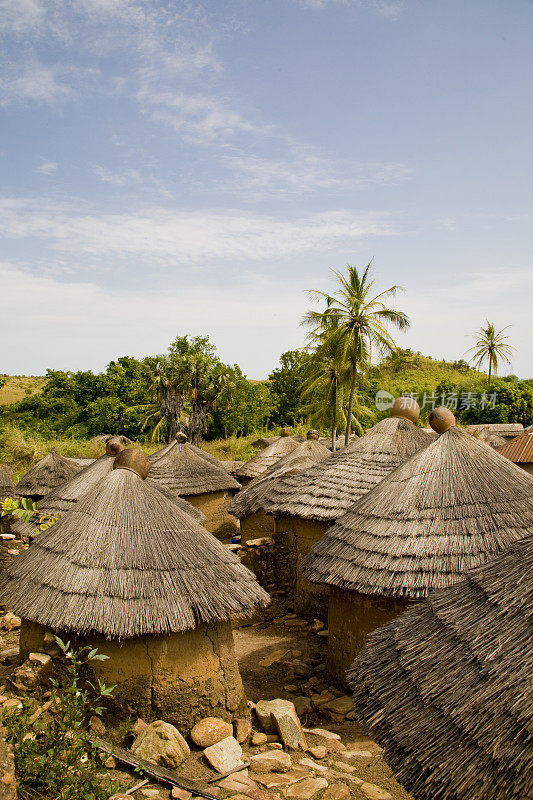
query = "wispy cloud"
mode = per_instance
[
  {"x": 126, "y": 178},
  {"x": 388, "y": 9},
  {"x": 168, "y": 237},
  {"x": 47, "y": 167},
  {"x": 36, "y": 82}
]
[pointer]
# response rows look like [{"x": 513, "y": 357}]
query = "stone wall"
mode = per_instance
[
  {"x": 310, "y": 599},
  {"x": 352, "y": 616},
  {"x": 271, "y": 559},
  {"x": 181, "y": 677},
  {"x": 215, "y": 507}
]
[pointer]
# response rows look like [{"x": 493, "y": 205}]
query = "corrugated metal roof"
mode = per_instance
[{"x": 519, "y": 450}]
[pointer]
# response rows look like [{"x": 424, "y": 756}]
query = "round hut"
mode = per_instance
[
  {"x": 266, "y": 458},
  {"x": 49, "y": 473},
  {"x": 306, "y": 504},
  {"x": 447, "y": 690},
  {"x": 247, "y": 505},
  {"x": 125, "y": 571},
  {"x": 64, "y": 496},
  {"x": 451, "y": 507},
  {"x": 180, "y": 438},
  {"x": 182, "y": 472}
]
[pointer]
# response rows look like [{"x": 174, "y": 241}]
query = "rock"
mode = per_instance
[
  {"x": 373, "y": 792},
  {"x": 25, "y": 678},
  {"x": 259, "y": 738},
  {"x": 12, "y": 704},
  {"x": 161, "y": 743},
  {"x": 210, "y": 730},
  {"x": 302, "y": 706},
  {"x": 336, "y": 791},
  {"x": 276, "y": 655},
  {"x": 237, "y": 783},
  {"x": 323, "y": 634},
  {"x": 280, "y": 715},
  {"x": 291, "y": 687},
  {"x": 180, "y": 794},
  {"x": 151, "y": 793},
  {"x": 138, "y": 726},
  {"x": 224, "y": 755},
  {"x": 344, "y": 767},
  {"x": 110, "y": 762},
  {"x": 322, "y": 732},
  {"x": 272, "y": 761},
  {"x": 10, "y": 622},
  {"x": 316, "y": 626},
  {"x": 308, "y": 762},
  {"x": 242, "y": 729},
  {"x": 275, "y": 746},
  {"x": 97, "y": 726},
  {"x": 40, "y": 658},
  {"x": 339, "y": 707},
  {"x": 296, "y": 623},
  {"x": 318, "y": 752},
  {"x": 120, "y": 796},
  {"x": 270, "y": 779},
  {"x": 10, "y": 655},
  {"x": 320, "y": 700},
  {"x": 306, "y": 789}
]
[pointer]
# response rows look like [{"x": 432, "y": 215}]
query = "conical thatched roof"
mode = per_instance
[
  {"x": 449, "y": 508},
  {"x": 180, "y": 438},
  {"x": 7, "y": 488},
  {"x": 50, "y": 472},
  {"x": 265, "y": 459},
  {"x": 181, "y": 503},
  {"x": 250, "y": 499},
  {"x": 327, "y": 490},
  {"x": 183, "y": 472},
  {"x": 81, "y": 462},
  {"x": 61, "y": 499},
  {"x": 447, "y": 687},
  {"x": 126, "y": 562}
]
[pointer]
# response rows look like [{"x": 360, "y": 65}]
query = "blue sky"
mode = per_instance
[{"x": 192, "y": 167}]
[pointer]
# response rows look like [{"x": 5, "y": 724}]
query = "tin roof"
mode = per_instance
[{"x": 519, "y": 450}]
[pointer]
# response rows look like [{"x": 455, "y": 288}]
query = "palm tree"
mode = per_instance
[
  {"x": 325, "y": 387},
  {"x": 490, "y": 345},
  {"x": 356, "y": 319}
]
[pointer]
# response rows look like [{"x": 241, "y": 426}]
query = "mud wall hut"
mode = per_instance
[
  {"x": 49, "y": 473},
  {"x": 267, "y": 458}
]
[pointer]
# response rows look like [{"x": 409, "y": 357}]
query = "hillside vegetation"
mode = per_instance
[{"x": 17, "y": 387}]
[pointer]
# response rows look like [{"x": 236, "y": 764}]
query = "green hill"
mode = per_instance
[{"x": 17, "y": 387}]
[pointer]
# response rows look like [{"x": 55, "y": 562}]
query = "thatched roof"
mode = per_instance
[
  {"x": 451, "y": 507},
  {"x": 339, "y": 444},
  {"x": 81, "y": 462},
  {"x": 250, "y": 499},
  {"x": 181, "y": 503},
  {"x": 266, "y": 458},
  {"x": 519, "y": 450},
  {"x": 125, "y": 562},
  {"x": 507, "y": 430},
  {"x": 232, "y": 466},
  {"x": 7, "y": 488},
  {"x": 180, "y": 439},
  {"x": 327, "y": 490},
  {"x": 67, "y": 494},
  {"x": 265, "y": 441},
  {"x": 182, "y": 471},
  {"x": 447, "y": 687},
  {"x": 50, "y": 472}
]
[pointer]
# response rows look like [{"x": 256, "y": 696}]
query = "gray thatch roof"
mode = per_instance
[
  {"x": 198, "y": 450},
  {"x": 327, "y": 490},
  {"x": 232, "y": 466},
  {"x": 266, "y": 458},
  {"x": 447, "y": 687},
  {"x": 265, "y": 441},
  {"x": 451, "y": 507},
  {"x": 182, "y": 471},
  {"x": 7, "y": 488},
  {"x": 50, "y": 472},
  {"x": 507, "y": 430},
  {"x": 125, "y": 562},
  {"x": 67, "y": 494},
  {"x": 181, "y": 503},
  {"x": 81, "y": 462},
  {"x": 250, "y": 499}
]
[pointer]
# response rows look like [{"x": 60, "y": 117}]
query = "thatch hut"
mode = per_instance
[
  {"x": 125, "y": 571},
  {"x": 247, "y": 505},
  {"x": 447, "y": 687},
  {"x": 182, "y": 472},
  {"x": 7, "y": 488},
  {"x": 520, "y": 451},
  {"x": 306, "y": 504},
  {"x": 505, "y": 430},
  {"x": 49, "y": 473},
  {"x": 180, "y": 438},
  {"x": 67, "y": 494},
  {"x": 451, "y": 507},
  {"x": 266, "y": 458}
]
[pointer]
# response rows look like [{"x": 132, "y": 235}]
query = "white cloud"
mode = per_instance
[
  {"x": 166, "y": 236},
  {"x": 36, "y": 82},
  {"x": 21, "y": 15},
  {"x": 388, "y": 9},
  {"x": 126, "y": 178},
  {"x": 47, "y": 167}
]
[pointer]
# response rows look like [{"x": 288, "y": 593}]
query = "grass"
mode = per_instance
[{"x": 17, "y": 387}]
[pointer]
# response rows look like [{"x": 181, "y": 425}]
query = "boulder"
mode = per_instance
[
  {"x": 271, "y": 761},
  {"x": 225, "y": 755},
  {"x": 242, "y": 729},
  {"x": 305, "y": 790},
  {"x": 259, "y": 738},
  {"x": 161, "y": 743},
  {"x": 210, "y": 730},
  {"x": 280, "y": 716}
]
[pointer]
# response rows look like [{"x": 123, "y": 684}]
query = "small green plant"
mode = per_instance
[
  {"x": 56, "y": 759},
  {"x": 25, "y": 509}
]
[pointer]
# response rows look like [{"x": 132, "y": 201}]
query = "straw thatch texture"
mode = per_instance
[
  {"x": 182, "y": 504},
  {"x": 198, "y": 450},
  {"x": 328, "y": 489},
  {"x": 65, "y": 496},
  {"x": 7, "y": 488},
  {"x": 451, "y": 507},
  {"x": 447, "y": 688},
  {"x": 232, "y": 467},
  {"x": 265, "y": 459},
  {"x": 50, "y": 472},
  {"x": 507, "y": 430},
  {"x": 81, "y": 462},
  {"x": 126, "y": 562},
  {"x": 183, "y": 472},
  {"x": 250, "y": 500}
]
